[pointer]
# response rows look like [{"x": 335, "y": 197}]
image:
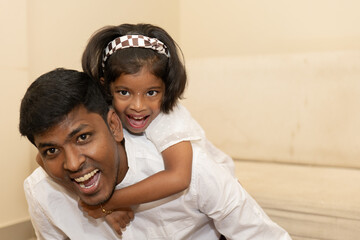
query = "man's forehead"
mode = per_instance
[{"x": 74, "y": 122}]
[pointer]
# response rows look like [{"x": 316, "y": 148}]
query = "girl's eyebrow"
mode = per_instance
[
  {"x": 154, "y": 87},
  {"x": 126, "y": 88},
  {"x": 120, "y": 86}
]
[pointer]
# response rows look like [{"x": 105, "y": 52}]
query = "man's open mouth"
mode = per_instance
[{"x": 89, "y": 180}]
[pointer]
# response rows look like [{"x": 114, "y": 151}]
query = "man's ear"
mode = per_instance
[
  {"x": 39, "y": 160},
  {"x": 115, "y": 125}
]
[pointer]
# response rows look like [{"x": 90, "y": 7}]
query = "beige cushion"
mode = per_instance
[
  {"x": 309, "y": 202},
  {"x": 293, "y": 108}
]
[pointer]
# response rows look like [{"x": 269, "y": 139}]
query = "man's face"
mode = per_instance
[{"x": 81, "y": 154}]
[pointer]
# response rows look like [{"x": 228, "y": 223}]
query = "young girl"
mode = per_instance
[{"x": 140, "y": 70}]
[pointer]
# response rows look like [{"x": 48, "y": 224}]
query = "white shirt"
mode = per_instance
[
  {"x": 177, "y": 126},
  {"x": 214, "y": 203}
]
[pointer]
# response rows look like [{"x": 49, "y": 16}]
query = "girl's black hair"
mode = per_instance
[{"x": 131, "y": 60}]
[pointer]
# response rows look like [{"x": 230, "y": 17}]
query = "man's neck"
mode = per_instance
[{"x": 123, "y": 163}]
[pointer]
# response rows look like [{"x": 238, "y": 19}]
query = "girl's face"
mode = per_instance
[{"x": 137, "y": 99}]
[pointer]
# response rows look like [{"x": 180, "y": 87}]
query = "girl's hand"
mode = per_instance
[
  {"x": 119, "y": 219},
  {"x": 92, "y": 211}
]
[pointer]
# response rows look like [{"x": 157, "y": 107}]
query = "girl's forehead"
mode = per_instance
[{"x": 141, "y": 79}]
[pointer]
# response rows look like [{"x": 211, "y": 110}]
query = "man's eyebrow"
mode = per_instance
[
  {"x": 43, "y": 145},
  {"x": 69, "y": 136},
  {"x": 75, "y": 131}
]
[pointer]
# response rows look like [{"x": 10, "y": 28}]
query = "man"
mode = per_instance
[{"x": 85, "y": 154}]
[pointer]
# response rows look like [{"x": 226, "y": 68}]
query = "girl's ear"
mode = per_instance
[
  {"x": 102, "y": 81},
  {"x": 115, "y": 125}
]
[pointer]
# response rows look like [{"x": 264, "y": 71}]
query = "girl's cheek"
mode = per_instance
[{"x": 119, "y": 106}]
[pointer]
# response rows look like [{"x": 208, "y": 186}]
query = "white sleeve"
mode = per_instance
[
  {"x": 43, "y": 227},
  {"x": 235, "y": 213},
  {"x": 177, "y": 126}
]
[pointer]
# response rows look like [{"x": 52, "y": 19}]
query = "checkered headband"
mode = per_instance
[{"x": 128, "y": 41}]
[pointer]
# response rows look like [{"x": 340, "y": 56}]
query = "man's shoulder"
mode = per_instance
[
  {"x": 38, "y": 185},
  {"x": 36, "y": 177},
  {"x": 139, "y": 146},
  {"x": 205, "y": 169}
]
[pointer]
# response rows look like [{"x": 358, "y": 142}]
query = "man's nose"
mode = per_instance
[{"x": 74, "y": 159}]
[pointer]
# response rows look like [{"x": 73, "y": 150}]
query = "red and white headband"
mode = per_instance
[{"x": 128, "y": 41}]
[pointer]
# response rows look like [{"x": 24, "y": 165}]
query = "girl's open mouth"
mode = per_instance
[{"x": 137, "y": 122}]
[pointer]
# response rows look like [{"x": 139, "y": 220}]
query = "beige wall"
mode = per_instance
[
  {"x": 280, "y": 79},
  {"x": 15, "y": 158},
  {"x": 39, "y": 35},
  {"x": 210, "y": 28},
  {"x": 294, "y": 108},
  {"x": 59, "y": 30}
]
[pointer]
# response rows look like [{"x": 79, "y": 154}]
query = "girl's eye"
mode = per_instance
[
  {"x": 123, "y": 92},
  {"x": 83, "y": 138},
  {"x": 152, "y": 93},
  {"x": 51, "y": 152}
]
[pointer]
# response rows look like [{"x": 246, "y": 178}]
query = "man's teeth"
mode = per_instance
[{"x": 86, "y": 176}]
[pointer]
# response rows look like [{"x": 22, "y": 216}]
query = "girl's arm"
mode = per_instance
[{"x": 175, "y": 178}]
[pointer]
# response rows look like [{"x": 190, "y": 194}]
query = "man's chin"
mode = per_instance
[
  {"x": 94, "y": 201},
  {"x": 97, "y": 199}
]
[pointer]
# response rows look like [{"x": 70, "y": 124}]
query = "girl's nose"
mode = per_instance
[{"x": 137, "y": 103}]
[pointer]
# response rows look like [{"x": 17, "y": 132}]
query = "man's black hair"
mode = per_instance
[{"x": 54, "y": 95}]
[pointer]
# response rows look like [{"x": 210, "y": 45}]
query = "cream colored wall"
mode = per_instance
[
  {"x": 59, "y": 30},
  {"x": 280, "y": 79},
  {"x": 210, "y": 28},
  {"x": 292, "y": 108},
  {"x": 15, "y": 152},
  {"x": 38, "y": 36}
]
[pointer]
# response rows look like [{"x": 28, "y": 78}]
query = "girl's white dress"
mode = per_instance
[{"x": 177, "y": 126}]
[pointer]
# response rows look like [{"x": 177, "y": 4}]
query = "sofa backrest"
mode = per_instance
[{"x": 296, "y": 108}]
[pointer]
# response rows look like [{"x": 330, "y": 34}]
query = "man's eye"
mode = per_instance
[
  {"x": 51, "y": 151},
  {"x": 83, "y": 138},
  {"x": 152, "y": 93},
  {"x": 123, "y": 93}
]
